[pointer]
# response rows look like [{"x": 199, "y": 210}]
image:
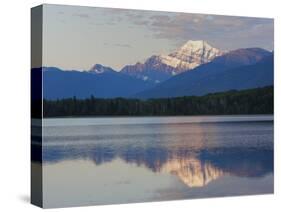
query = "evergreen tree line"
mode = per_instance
[{"x": 252, "y": 101}]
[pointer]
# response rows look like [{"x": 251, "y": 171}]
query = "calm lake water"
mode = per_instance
[{"x": 88, "y": 161}]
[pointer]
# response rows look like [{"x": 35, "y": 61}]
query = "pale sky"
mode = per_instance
[{"x": 77, "y": 37}]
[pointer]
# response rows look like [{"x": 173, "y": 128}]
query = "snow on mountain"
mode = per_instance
[
  {"x": 191, "y": 55},
  {"x": 238, "y": 69},
  {"x": 158, "y": 68}
]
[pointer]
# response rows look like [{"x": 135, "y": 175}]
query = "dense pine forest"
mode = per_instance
[{"x": 252, "y": 101}]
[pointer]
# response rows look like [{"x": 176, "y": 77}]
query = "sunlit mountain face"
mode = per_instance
[
  {"x": 158, "y": 68},
  {"x": 197, "y": 154}
]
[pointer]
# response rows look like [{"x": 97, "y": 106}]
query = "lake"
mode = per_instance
[{"x": 92, "y": 161}]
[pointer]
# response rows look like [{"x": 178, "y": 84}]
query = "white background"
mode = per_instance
[{"x": 15, "y": 107}]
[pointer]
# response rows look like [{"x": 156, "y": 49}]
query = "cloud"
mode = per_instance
[
  {"x": 135, "y": 17},
  {"x": 225, "y": 31}
]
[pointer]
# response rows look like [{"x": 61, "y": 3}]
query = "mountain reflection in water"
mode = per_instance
[
  {"x": 192, "y": 171},
  {"x": 197, "y": 153}
]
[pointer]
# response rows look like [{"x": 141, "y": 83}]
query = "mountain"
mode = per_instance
[
  {"x": 153, "y": 70},
  {"x": 100, "y": 69},
  {"x": 100, "y": 82},
  {"x": 162, "y": 67},
  {"x": 238, "y": 69},
  {"x": 190, "y": 55},
  {"x": 163, "y": 76}
]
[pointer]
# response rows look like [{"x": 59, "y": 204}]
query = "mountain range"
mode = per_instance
[
  {"x": 101, "y": 83},
  {"x": 196, "y": 68},
  {"x": 158, "y": 68},
  {"x": 238, "y": 69}
]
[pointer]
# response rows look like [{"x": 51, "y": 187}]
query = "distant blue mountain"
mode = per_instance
[
  {"x": 238, "y": 69},
  {"x": 100, "y": 82}
]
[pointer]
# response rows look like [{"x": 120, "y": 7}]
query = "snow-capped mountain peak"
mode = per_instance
[
  {"x": 195, "y": 45},
  {"x": 161, "y": 67},
  {"x": 191, "y": 55}
]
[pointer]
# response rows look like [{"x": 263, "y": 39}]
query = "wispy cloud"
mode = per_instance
[
  {"x": 221, "y": 30},
  {"x": 224, "y": 31}
]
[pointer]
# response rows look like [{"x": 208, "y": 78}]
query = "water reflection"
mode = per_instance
[
  {"x": 196, "y": 153},
  {"x": 193, "y": 172}
]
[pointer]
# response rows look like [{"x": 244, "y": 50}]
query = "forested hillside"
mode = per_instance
[{"x": 252, "y": 101}]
